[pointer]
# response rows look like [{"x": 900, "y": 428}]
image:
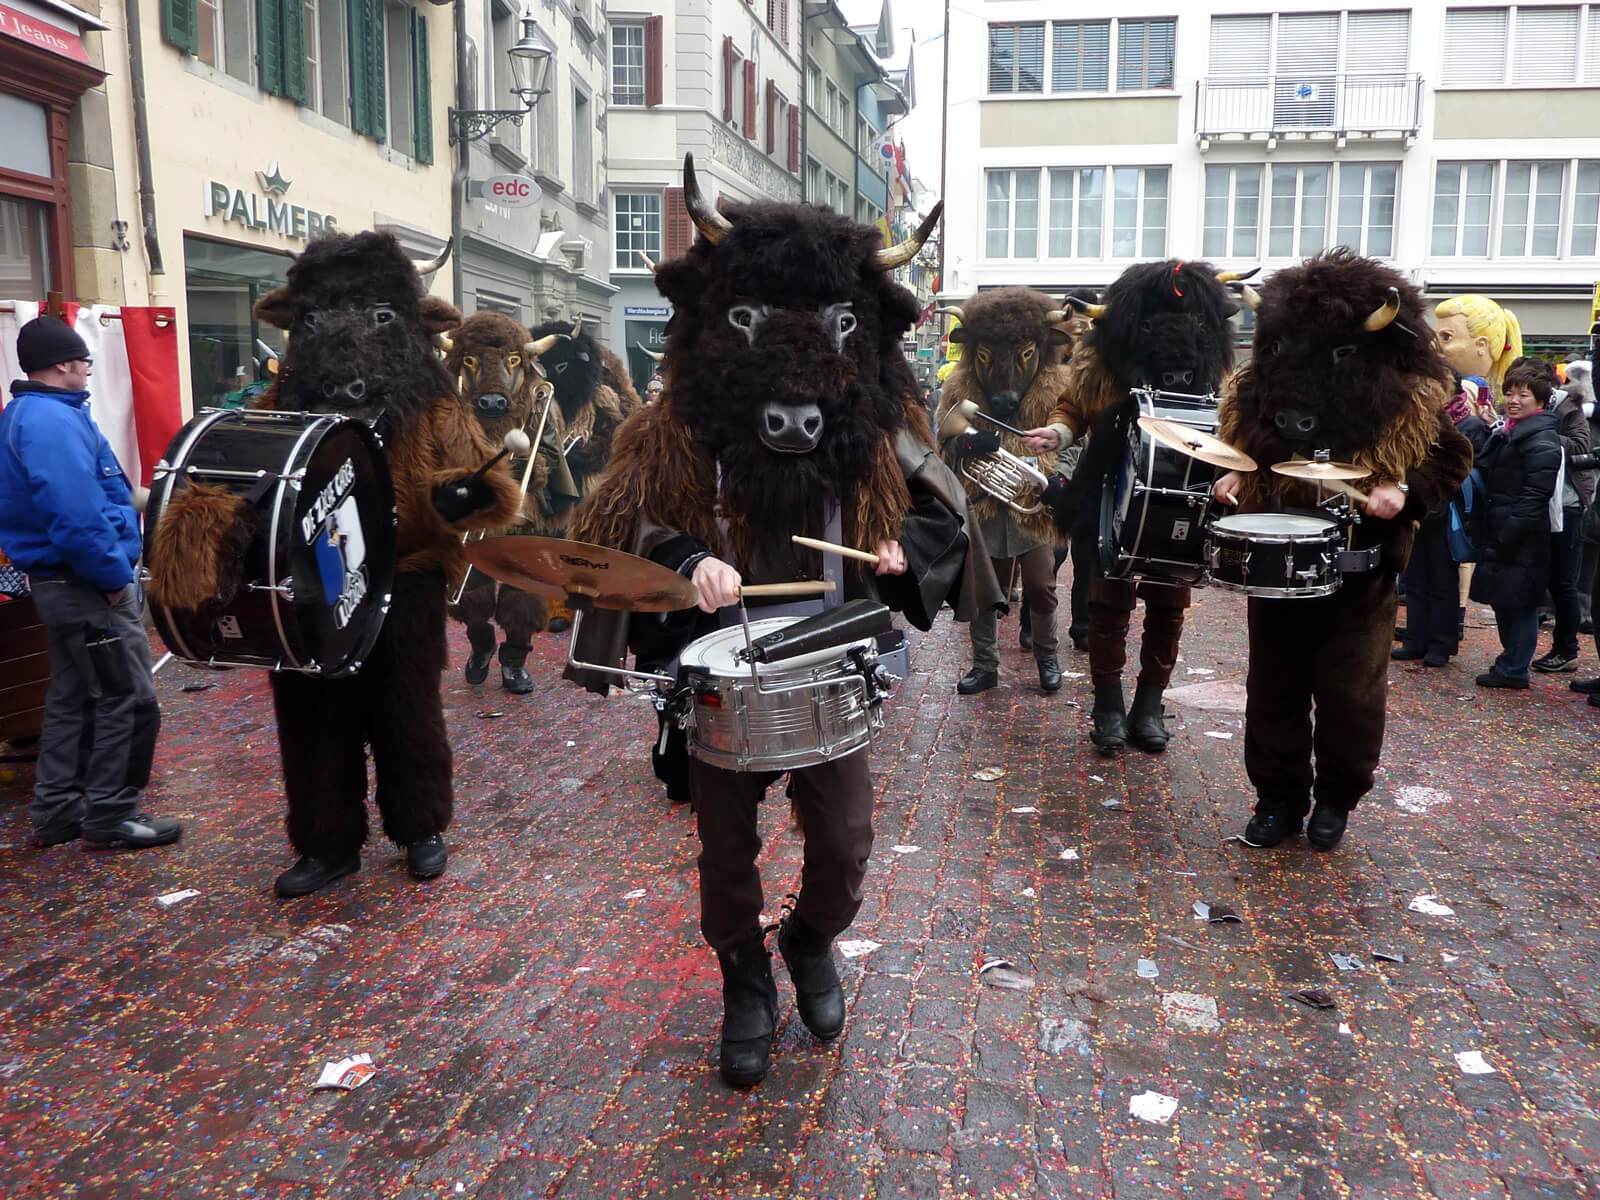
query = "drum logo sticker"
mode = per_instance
[
  {"x": 1180, "y": 531},
  {"x": 332, "y": 527}
]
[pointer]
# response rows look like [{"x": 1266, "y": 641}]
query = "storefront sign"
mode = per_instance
[
  {"x": 646, "y": 310},
  {"x": 39, "y": 33},
  {"x": 254, "y": 210},
  {"x": 509, "y": 191}
]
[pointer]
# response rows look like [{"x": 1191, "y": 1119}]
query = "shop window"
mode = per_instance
[
  {"x": 26, "y": 145},
  {"x": 229, "y": 350},
  {"x": 24, "y": 249}
]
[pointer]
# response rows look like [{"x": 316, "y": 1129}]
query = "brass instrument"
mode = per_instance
[{"x": 1002, "y": 474}]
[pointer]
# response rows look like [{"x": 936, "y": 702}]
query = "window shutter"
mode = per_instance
[
  {"x": 727, "y": 79},
  {"x": 377, "y": 74},
  {"x": 295, "y": 85},
  {"x": 677, "y": 232},
  {"x": 367, "y": 114},
  {"x": 750, "y": 99},
  {"x": 794, "y": 139},
  {"x": 1241, "y": 47},
  {"x": 269, "y": 45},
  {"x": 652, "y": 60},
  {"x": 1377, "y": 43},
  {"x": 1474, "y": 46},
  {"x": 783, "y": 23},
  {"x": 1546, "y": 46},
  {"x": 421, "y": 89},
  {"x": 772, "y": 117},
  {"x": 180, "y": 25}
]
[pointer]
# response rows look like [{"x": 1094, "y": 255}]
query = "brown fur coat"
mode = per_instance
[{"x": 1088, "y": 391}]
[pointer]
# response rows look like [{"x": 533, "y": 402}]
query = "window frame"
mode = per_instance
[
  {"x": 1016, "y": 62},
  {"x": 1586, "y": 62},
  {"x": 1574, "y": 170},
  {"x": 1113, "y": 58},
  {"x": 615, "y": 93},
  {"x": 1105, "y": 228},
  {"x": 632, "y": 264}
]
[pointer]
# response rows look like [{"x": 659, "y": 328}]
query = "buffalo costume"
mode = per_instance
[
  {"x": 1162, "y": 325},
  {"x": 361, "y": 345},
  {"x": 1344, "y": 362},
  {"x": 503, "y": 386},
  {"x": 1010, "y": 368},
  {"x": 789, "y": 406}
]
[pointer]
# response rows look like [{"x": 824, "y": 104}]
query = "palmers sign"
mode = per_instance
[{"x": 256, "y": 211}]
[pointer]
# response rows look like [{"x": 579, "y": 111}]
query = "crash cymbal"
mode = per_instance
[
  {"x": 558, "y": 568},
  {"x": 1197, "y": 443},
  {"x": 1319, "y": 472}
]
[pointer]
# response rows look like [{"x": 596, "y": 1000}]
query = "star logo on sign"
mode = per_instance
[{"x": 272, "y": 180}]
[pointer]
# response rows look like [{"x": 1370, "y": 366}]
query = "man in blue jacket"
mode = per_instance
[{"x": 66, "y": 519}]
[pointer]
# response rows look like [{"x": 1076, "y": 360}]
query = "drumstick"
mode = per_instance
[
  {"x": 1002, "y": 424},
  {"x": 1340, "y": 485},
  {"x": 865, "y": 556},
  {"x": 803, "y": 587}
]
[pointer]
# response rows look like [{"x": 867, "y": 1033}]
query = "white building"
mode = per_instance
[{"x": 1459, "y": 141}]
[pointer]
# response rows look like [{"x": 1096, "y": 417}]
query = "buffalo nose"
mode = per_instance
[
  {"x": 352, "y": 390},
  {"x": 1174, "y": 378},
  {"x": 791, "y": 428},
  {"x": 1295, "y": 424},
  {"x": 1005, "y": 404}
]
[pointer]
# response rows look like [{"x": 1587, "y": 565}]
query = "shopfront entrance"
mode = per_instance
[{"x": 230, "y": 352}]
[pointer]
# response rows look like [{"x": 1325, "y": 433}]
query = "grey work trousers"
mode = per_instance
[
  {"x": 1038, "y": 570},
  {"x": 101, "y": 718}
]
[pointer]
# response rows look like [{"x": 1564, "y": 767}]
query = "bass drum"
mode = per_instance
[{"x": 320, "y": 569}]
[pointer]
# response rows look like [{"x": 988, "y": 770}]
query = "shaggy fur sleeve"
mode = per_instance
[
  {"x": 457, "y": 447},
  {"x": 198, "y": 547},
  {"x": 1437, "y": 477},
  {"x": 589, "y": 456},
  {"x": 881, "y": 503},
  {"x": 656, "y": 473}
]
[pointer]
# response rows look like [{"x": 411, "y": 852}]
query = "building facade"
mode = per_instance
[
  {"x": 849, "y": 104},
  {"x": 1461, "y": 142},
  {"x": 533, "y": 212}
]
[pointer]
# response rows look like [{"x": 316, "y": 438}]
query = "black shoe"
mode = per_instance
[
  {"x": 1268, "y": 827},
  {"x": 1594, "y": 699},
  {"x": 559, "y": 624},
  {"x": 313, "y": 874},
  {"x": 1147, "y": 727},
  {"x": 1110, "y": 732},
  {"x": 1435, "y": 658},
  {"x": 1586, "y": 625},
  {"x": 1025, "y": 638},
  {"x": 1326, "y": 826},
  {"x": 516, "y": 680},
  {"x": 1405, "y": 654},
  {"x": 1589, "y": 687},
  {"x": 979, "y": 679},
  {"x": 58, "y": 835},
  {"x": 138, "y": 832},
  {"x": 1556, "y": 662},
  {"x": 1493, "y": 679},
  {"x": 749, "y": 1014},
  {"x": 478, "y": 666},
  {"x": 817, "y": 993},
  {"x": 1080, "y": 640},
  {"x": 426, "y": 858},
  {"x": 1049, "y": 675}
]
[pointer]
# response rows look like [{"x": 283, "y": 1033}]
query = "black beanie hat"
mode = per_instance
[{"x": 45, "y": 341}]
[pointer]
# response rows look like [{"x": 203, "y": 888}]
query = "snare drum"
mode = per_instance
[
  {"x": 796, "y": 713},
  {"x": 1274, "y": 554},
  {"x": 1151, "y": 520},
  {"x": 320, "y": 569}
]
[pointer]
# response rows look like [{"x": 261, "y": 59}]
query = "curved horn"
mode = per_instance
[
  {"x": 713, "y": 226},
  {"x": 1236, "y": 276},
  {"x": 655, "y": 354},
  {"x": 952, "y": 310},
  {"x": 1089, "y": 310},
  {"x": 901, "y": 253},
  {"x": 577, "y": 327},
  {"x": 1056, "y": 315},
  {"x": 535, "y": 349},
  {"x": 446, "y": 342},
  {"x": 1384, "y": 314},
  {"x": 646, "y": 260},
  {"x": 428, "y": 268},
  {"x": 1251, "y": 297}
]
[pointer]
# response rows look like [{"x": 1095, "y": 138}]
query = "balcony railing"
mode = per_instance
[{"x": 1308, "y": 103}]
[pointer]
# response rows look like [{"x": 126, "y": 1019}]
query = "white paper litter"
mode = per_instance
[
  {"x": 905, "y": 849},
  {"x": 345, "y": 1075},
  {"x": 636, "y": 894},
  {"x": 1472, "y": 1062},
  {"x": 1148, "y": 969},
  {"x": 1068, "y": 855},
  {"x": 1419, "y": 800},
  {"x": 1153, "y": 1107},
  {"x": 1026, "y": 808},
  {"x": 570, "y": 745},
  {"x": 1003, "y": 973},
  {"x": 858, "y": 947},
  {"x": 1222, "y": 735},
  {"x": 1028, "y": 892},
  {"x": 989, "y": 774},
  {"x": 1447, "y": 958},
  {"x": 1202, "y": 910},
  {"x": 1057, "y": 1035},
  {"x": 1345, "y": 1029},
  {"x": 1347, "y": 962},
  {"x": 1429, "y": 904},
  {"x": 170, "y": 898},
  {"x": 1098, "y": 778},
  {"x": 1190, "y": 1011},
  {"x": 1201, "y": 671}
]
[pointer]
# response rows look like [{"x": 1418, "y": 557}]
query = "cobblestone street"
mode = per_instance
[{"x": 542, "y": 1020}]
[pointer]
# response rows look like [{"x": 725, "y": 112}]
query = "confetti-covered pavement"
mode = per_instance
[{"x": 542, "y": 1019}]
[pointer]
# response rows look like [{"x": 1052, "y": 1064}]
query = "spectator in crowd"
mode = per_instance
[
  {"x": 1577, "y": 491},
  {"x": 1520, "y": 462},
  {"x": 1580, "y": 386},
  {"x": 654, "y": 389},
  {"x": 66, "y": 518}
]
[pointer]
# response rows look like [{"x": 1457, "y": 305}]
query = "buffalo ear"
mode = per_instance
[
  {"x": 681, "y": 281},
  {"x": 958, "y": 335},
  {"x": 1059, "y": 337},
  {"x": 438, "y": 316},
  {"x": 275, "y": 308}
]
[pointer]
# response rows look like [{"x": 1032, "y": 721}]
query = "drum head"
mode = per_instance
[
  {"x": 1274, "y": 525},
  {"x": 714, "y": 653},
  {"x": 340, "y": 541}
]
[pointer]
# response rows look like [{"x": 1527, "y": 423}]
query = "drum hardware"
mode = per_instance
[
  {"x": 527, "y": 473},
  {"x": 1197, "y": 443},
  {"x": 284, "y": 589},
  {"x": 1000, "y": 473},
  {"x": 1276, "y": 555}
]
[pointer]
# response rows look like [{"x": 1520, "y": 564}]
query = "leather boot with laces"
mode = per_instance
[
  {"x": 749, "y": 1014},
  {"x": 1110, "y": 733},
  {"x": 817, "y": 993},
  {"x": 1147, "y": 728}
]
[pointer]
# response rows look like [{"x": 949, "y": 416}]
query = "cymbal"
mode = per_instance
[
  {"x": 1319, "y": 472},
  {"x": 1197, "y": 443},
  {"x": 558, "y": 568}
]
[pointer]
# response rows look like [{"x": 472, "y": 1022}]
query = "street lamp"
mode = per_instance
[{"x": 530, "y": 70}]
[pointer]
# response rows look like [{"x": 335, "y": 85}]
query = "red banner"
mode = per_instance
[
  {"x": 42, "y": 34},
  {"x": 151, "y": 335}
]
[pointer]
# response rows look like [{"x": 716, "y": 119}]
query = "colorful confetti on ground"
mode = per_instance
[{"x": 542, "y": 1019}]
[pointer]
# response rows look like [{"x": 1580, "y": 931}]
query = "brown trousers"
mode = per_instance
[
  {"x": 833, "y": 801},
  {"x": 1038, "y": 570},
  {"x": 1110, "y": 610},
  {"x": 1331, "y": 652}
]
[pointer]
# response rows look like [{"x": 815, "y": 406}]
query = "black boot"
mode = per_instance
[
  {"x": 979, "y": 679},
  {"x": 1269, "y": 826},
  {"x": 1110, "y": 732},
  {"x": 1049, "y": 675},
  {"x": 1147, "y": 728},
  {"x": 478, "y": 665},
  {"x": 312, "y": 874},
  {"x": 516, "y": 680},
  {"x": 749, "y": 1014},
  {"x": 426, "y": 857},
  {"x": 817, "y": 993},
  {"x": 1025, "y": 630},
  {"x": 1326, "y": 827}
]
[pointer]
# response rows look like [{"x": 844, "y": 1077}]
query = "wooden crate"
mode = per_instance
[{"x": 24, "y": 668}]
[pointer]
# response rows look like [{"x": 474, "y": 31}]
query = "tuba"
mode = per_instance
[{"x": 1000, "y": 473}]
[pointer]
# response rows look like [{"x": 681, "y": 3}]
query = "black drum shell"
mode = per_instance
[{"x": 1153, "y": 514}]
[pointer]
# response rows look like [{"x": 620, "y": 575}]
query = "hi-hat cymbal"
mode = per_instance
[
  {"x": 1197, "y": 443},
  {"x": 1320, "y": 472},
  {"x": 556, "y": 567}
]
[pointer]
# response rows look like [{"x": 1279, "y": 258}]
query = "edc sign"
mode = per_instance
[{"x": 509, "y": 191}]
